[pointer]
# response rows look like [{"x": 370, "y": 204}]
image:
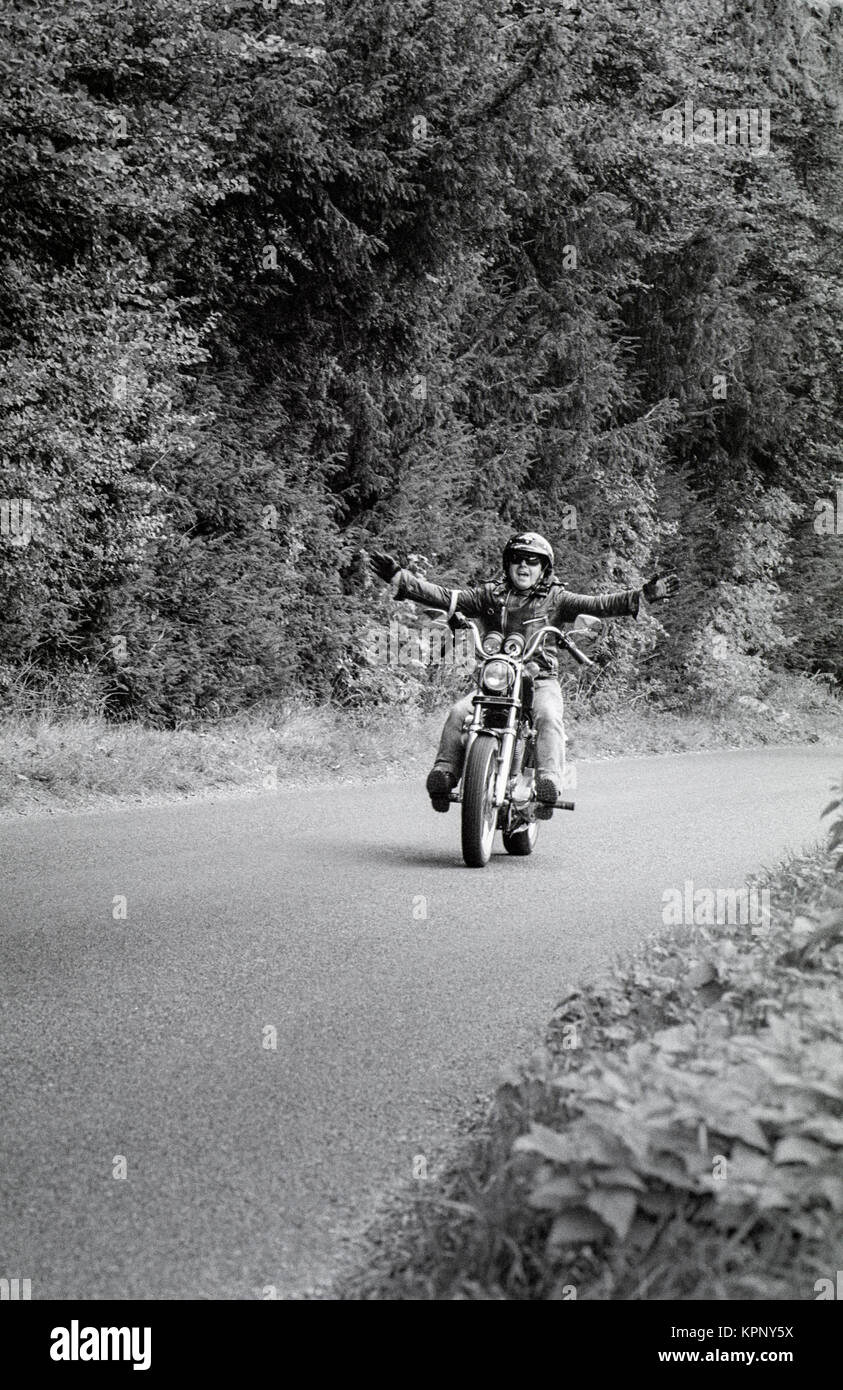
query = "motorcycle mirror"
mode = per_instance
[
  {"x": 584, "y": 634},
  {"x": 585, "y": 623}
]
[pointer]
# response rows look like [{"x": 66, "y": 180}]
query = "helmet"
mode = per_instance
[{"x": 528, "y": 540}]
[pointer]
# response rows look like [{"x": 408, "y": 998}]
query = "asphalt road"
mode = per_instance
[{"x": 397, "y": 981}]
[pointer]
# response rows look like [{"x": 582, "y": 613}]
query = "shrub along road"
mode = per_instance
[{"x": 304, "y": 994}]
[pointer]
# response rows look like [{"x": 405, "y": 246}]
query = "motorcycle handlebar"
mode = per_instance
[
  {"x": 566, "y": 643},
  {"x": 578, "y": 655},
  {"x": 460, "y": 621}
]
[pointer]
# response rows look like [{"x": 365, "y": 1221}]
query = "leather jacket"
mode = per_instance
[{"x": 497, "y": 606}]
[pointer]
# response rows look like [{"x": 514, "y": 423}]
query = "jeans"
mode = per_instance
[{"x": 548, "y": 710}]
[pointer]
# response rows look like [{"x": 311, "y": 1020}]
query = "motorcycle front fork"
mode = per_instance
[{"x": 509, "y": 770}]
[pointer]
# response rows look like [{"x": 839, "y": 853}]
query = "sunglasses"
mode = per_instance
[{"x": 528, "y": 557}]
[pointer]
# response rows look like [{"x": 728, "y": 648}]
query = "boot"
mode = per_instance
[
  {"x": 440, "y": 783},
  {"x": 547, "y": 788}
]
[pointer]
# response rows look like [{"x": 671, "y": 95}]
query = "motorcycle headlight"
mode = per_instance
[
  {"x": 514, "y": 645},
  {"x": 496, "y": 677},
  {"x": 492, "y": 643}
]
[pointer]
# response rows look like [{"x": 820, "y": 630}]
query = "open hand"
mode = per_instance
[
  {"x": 660, "y": 587},
  {"x": 385, "y": 566}
]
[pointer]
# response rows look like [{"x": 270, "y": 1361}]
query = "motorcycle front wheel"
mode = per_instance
[{"x": 479, "y": 816}]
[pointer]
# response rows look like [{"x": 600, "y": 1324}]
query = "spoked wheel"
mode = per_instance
[
  {"x": 521, "y": 841},
  {"x": 479, "y": 816}
]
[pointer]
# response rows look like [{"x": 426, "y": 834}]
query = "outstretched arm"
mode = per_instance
[
  {"x": 407, "y": 585},
  {"x": 621, "y": 603}
]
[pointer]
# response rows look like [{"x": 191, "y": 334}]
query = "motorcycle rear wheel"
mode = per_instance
[
  {"x": 523, "y": 841},
  {"x": 479, "y": 815}
]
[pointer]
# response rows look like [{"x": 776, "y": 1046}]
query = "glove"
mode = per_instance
[
  {"x": 458, "y": 622},
  {"x": 385, "y": 566},
  {"x": 659, "y": 587}
]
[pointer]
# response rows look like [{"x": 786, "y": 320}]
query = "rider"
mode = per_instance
[{"x": 529, "y": 597}]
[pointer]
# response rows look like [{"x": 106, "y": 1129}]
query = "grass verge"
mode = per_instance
[
  {"x": 50, "y": 759},
  {"x": 680, "y": 1136}
]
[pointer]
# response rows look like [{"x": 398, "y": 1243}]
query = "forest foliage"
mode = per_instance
[{"x": 282, "y": 280}]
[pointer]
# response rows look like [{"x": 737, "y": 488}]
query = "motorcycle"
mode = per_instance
[{"x": 497, "y": 791}]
